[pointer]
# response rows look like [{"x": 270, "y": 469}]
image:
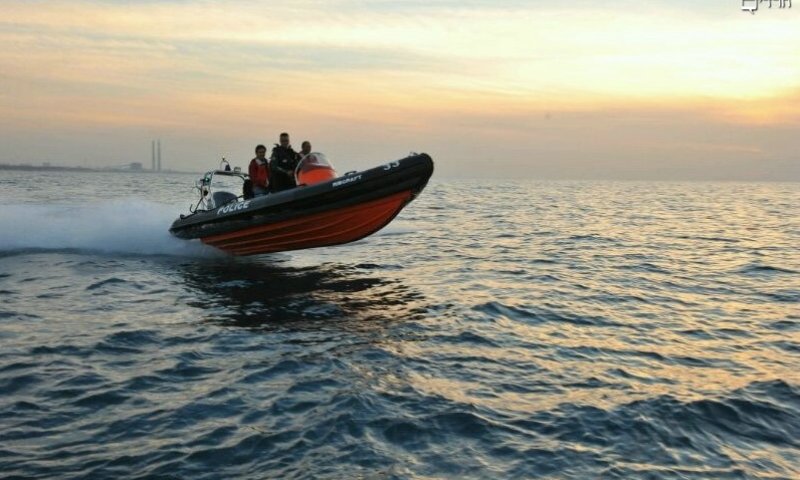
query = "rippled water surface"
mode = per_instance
[{"x": 503, "y": 330}]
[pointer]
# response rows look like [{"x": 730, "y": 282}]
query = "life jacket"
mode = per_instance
[
  {"x": 284, "y": 157},
  {"x": 259, "y": 173}
]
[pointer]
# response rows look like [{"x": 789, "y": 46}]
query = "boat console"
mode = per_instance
[{"x": 210, "y": 199}]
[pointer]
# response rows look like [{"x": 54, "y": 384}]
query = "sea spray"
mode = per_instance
[{"x": 121, "y": 226}]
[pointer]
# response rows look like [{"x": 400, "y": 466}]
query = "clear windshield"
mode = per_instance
[
  {"x": 224, "y": 183},
  {"x": 313, "y": 160}
]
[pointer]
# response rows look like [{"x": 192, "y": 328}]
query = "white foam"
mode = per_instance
[{"x": 122, "y": 226}]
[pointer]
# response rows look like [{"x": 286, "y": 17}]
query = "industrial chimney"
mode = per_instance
[{"x": 159, "y": 155}]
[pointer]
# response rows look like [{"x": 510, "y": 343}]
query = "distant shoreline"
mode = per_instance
[{"x": 56, "y": 168}]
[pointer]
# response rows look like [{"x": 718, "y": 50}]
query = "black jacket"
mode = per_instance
[{"x": 282, "y": 163}]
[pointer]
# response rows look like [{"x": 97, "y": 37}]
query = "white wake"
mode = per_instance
[{"x": 122, "y": 226}]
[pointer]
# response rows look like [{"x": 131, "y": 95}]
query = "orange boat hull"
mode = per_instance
[{"x": 333, "y": 227}]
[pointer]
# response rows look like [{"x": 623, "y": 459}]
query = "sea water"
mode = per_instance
[{"x": 500, "y": 329}]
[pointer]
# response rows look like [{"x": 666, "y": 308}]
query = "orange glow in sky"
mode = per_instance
[{"x": 562, "y": 90}]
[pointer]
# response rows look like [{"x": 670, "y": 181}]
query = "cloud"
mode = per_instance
[{"x": 573, "y": 80}]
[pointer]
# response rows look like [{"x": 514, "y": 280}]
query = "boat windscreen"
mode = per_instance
[{"x": 314, "y": 168}]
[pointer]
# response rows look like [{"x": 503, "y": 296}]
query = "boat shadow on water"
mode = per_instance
[{"x": 265, "y": 293}]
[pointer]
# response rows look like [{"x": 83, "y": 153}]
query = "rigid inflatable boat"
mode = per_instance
[{"x": 324, "y": 209}]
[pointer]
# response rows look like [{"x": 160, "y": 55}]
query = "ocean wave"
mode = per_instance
[
  {"x": 546, "y": 332},
  {"x": 539, "y": 313}
]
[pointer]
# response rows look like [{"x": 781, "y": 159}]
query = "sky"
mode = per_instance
[{"x": 661, "y": 90}]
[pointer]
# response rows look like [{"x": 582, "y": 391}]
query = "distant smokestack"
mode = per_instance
[
  {"x": 153, "y": 152},
  {"x": 159, "y": 155}
]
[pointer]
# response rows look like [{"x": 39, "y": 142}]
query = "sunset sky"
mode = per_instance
[{"x": 562, "y": 89}]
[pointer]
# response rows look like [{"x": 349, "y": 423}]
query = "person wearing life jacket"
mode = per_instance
[
  {"x": 282, "y": 164},
  {"x": 259, "y": 172}
]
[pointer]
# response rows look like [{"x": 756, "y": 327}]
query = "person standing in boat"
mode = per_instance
[
  {"x": 282, "y": 164},
  {"x": 305, "y": 148},
  {"x": 259, "y": 171}
]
